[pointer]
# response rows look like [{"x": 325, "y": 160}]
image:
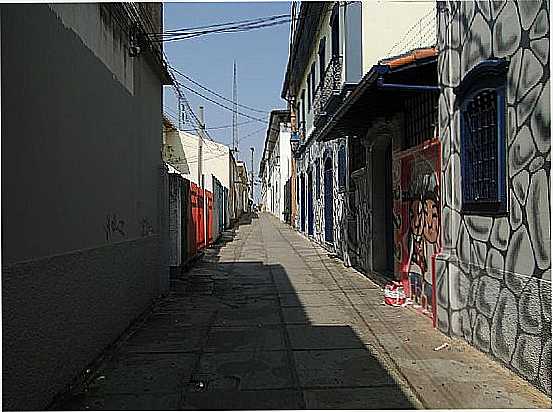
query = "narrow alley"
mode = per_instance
[{"x": 268, "y": 320}]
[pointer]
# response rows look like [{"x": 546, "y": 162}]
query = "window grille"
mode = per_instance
[
  {"x": 482, "y": 127},
  {"x": 421, "y": 114}
]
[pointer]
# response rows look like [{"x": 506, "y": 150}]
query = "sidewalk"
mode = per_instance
[{"x": 270, "y": 321}]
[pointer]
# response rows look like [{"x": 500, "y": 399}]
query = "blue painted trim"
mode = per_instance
[
  {"x": 487, "y": 75},
  {"x": 407, "y": 87}
]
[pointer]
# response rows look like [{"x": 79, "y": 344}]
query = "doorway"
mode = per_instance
[
  {"x": 302, "y": 202},
  {"x": 328, "y": 200},
  {"x": 310, "y": 203}
]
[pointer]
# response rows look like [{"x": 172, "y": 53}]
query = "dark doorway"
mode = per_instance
[
  {"x": 389, "y": 212},
  {"x": 380, "y": 186},
  {"x": 310, "y": 202},
  {"x": 302, "y": 202},
  {"x": 329, "y": 201}
]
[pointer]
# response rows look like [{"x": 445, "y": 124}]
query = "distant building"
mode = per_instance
[
  {"x": 241, "y": 190},
  {"x": 275, "y": 170}
]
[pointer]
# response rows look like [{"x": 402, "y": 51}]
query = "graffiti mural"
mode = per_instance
[
  {"x": 416, "y": 218},
  {"x": 318, "y": 152},
  {"x": 493, "y": 279}
]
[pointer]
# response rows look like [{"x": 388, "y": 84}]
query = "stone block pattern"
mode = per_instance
[
  {"x": 318, "y": 152},
  {"x": 497, "y": 269}
]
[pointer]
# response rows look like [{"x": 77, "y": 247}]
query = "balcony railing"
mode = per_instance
[{"x": 329, "y": 86}]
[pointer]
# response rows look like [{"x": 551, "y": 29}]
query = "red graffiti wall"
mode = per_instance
[{"x": 417, "y": 220}]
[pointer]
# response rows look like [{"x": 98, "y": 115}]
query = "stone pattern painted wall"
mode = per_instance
[
  {"x": 494, "y": 277},
  {"x": 318, "y": 152}
]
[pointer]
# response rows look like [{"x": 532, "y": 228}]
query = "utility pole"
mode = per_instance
[
  {"x": 234, "y": 111},
  {"x": 201, "y": 148},
  {"x": 252, "y": 149},
  {"x": 201, "y": 182}
]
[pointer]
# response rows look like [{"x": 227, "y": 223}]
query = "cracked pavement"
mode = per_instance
[{"x": 268, "y": 320}]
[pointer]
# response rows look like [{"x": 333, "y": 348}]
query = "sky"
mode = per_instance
[{"x": 261, "y": 56}]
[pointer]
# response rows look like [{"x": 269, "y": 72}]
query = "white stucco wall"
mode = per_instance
[
  {"x": 285, "y": 164},
  {"x": 181, "y": 151},
  {"x": 216, "y": 158},
  {"x": 395, "y": 23}
]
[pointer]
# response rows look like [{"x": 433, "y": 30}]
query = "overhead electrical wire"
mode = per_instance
[
  {"x": 226, "y": 126},
  {"x": 230, "y": 27},
  {"x": 215, "y": 93}
]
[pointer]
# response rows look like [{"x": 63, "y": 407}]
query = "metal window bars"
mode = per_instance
[{"x": 480, "y": 145}]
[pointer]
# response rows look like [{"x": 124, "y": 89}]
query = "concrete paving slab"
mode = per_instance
[
  {"x": 340, "y": 368},
  {"x": 177, "y": 339},
  {"x": 143, "y": 374},
  {"x": 125, "y": 402},
  {"x": 297, "y": 287},
  {"x": 280, "y": 399},
  {"x": 323, "y": 337},
  {"x": 313, "y": 298},
  {"x": 319, "y": 315},
  {"x": 249, "y": 314},
  {"x": 249, "y": 370},
  {"x": 239, "y": 339},
  {"x": 379, "y": 398}
]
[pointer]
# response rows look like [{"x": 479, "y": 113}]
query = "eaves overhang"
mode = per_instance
[{"x": 371, "y": 98}]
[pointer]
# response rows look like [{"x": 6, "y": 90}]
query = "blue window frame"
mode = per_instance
[
  {"x": 481, "y": 101},
  {"x": 342, "y": 167}
]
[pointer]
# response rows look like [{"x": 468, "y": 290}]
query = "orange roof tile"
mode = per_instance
[{"x": 410, "y": 57}]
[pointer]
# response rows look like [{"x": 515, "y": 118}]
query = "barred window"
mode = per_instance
[
  {"x": 421, "y": 113},
  {"x": 482, "y": 126}
]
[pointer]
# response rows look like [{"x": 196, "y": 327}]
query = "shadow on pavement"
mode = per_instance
[{"x": 243, "y": 335}]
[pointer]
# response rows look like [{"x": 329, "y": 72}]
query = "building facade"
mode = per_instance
[
  {"x": 431, "y": 165},
  {"x": 276, "y": 166},
  {"x": 83, "y": 221},
  {"x": 332, "y": 48},
  {"x": 494, "y": 274}
]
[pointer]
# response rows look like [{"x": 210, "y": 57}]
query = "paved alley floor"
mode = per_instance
[{"x": 268, "y": 320}]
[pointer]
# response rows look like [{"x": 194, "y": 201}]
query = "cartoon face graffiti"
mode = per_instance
[
  {"x": 424, "y": 231},
  {"x": 430, "y": 215}
]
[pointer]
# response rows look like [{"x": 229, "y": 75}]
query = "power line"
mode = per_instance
[
  {"x": 226, "y": 126},
  {"x": 231, "y": 27},
  {"x": 220, "y": 104},
  {"x": 215, "y": 93},
  {"x": 234, "y": 109}
]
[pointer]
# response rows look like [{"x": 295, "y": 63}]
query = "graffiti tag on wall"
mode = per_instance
[{"x": 114, "y": 226}]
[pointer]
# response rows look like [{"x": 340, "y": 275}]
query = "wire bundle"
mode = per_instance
[{"x": 229, "y": 27}]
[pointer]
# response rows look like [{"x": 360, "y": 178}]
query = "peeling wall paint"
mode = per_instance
[{"x": 494, "y": 276}]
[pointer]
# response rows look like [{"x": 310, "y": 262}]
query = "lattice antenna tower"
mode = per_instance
[{"x": 234, "y": 111}]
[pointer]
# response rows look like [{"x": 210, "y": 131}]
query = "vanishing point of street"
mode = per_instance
[{"x": 268, "y": 320}]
